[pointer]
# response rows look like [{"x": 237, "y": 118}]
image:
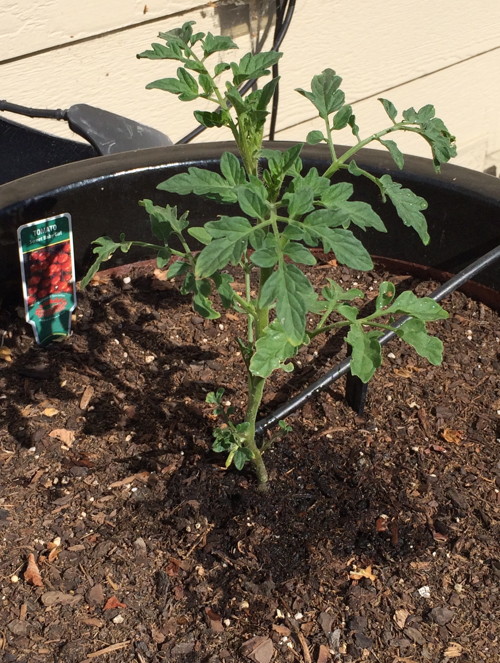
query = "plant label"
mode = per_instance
[{"x": 48, "y": 276}]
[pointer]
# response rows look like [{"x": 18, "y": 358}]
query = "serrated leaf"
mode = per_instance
[
  {"x": 202, "y": 182},
  {"x": 325, "y": 94},
  {"x": 254, "y": 66},
  {"x": 217, "y": 255},
  {"x": 299, "y": 202},
  {"x": 232, "y": 228},
  {"x": 203, "y": 306},
  {"x": 272, "y": 349},
  {"x": 251, "y": 202},
  {"x": 177, "y": 268},
  {"x": 267, "y": 255},
  {"x": 389, "y": 108},
  {"x": 423, "y": 308},
  {"x": 414, "y": 333},
  {"x": 408, "y": 205},
  {"x": 213, "y": 44},
  {"x": 334, "y": 293},
  {"x": 104, "y": 247},
  {"x": 359, "y": 213},
  {"x": 395, "y": 152},
  {"x": 211, "y": 119},
  {"x": 232, "y": 169},
  {"x": 347, "y": 248},
  {"x": 292, "y": 293},
  {"x": 299, "y": 254},
  {"x": 366, "y": 353}
]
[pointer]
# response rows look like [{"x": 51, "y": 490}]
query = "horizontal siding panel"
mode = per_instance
[
  {"x": 28, "y": 26},
  {"x": 443, "y": 53},
  {"x": 471, "y": 112}
]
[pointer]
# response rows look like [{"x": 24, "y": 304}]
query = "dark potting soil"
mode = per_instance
[{"x": 378, "y": 540}]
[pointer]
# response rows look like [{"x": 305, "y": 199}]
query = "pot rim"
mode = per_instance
[{"x": 454, "y": 177}]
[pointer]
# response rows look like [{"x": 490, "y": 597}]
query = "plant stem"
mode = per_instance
[{"x": 255, "y": 392}]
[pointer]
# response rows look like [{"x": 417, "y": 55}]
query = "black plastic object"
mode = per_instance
[
  {"x": 25, "y": 151},
  {"x": 110, "y": 133}
]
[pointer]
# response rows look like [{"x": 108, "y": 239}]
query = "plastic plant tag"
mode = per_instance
[{"x": 48, "y": 276}]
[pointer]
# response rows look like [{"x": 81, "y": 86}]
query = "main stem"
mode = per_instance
[{"x": 256, "y": 386}]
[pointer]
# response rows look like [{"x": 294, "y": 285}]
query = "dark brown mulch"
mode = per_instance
[{"x": 378, "y": 541}]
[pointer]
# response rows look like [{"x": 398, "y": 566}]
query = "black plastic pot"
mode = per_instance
[{"x": 102, "y": 193}]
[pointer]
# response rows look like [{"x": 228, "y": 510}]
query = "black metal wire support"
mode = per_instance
[{"x": 344, "y": 366}]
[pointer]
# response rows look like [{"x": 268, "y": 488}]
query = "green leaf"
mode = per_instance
[
  {"x": 347, "y": 249},
  {"x": 355, "y": 211},
  {"x": 254, "y": 66},
  {"x": 223, "y": 284},
  {"x": 314, "y": 137},
  {"x": 408, "y": 206},
  {"x": 162, "y": 257},
  {"x": 104, "y": 247},
  {"x": 251, "y": 201},
  {"x": 218, "y": 43},
  {"x": 218, "y": 118},
  {"x": 348, "y": 312},
  {"x": 161, "y": 52},
  {"x": 293, "y": 294},
  {"x": 334, "y": 293},
  {"x": 172, "y": 85},
  {"x": 217, "y": 255},
  {"x": 241, "y": 456},
  {"x": 267, "y": 255},
  {"x": 386, "y": 293},
  {"x": 299, "y": 254},
  {"x": 200, "y": 234},
  {"x": 232, "y": 228},
  {"x": 202, "y": 182},
  {"x": 415, "y": 334},
  {"x": 201, "y": 300},
  {"x": 336, "y": 194},
  {"x": 178, "y": 268},
  {"x": 232, "y": 169},
  {"x": 423, "y": 308},
  {"x": 366, "y": 355},
  {"x": 394, "y": 151},
  {"x": 300, "y": 201},
  {"x": 164, "y": 220},
  {"x": 189, "y": 83},
  {"x": 342, "y": 117},
  {"x": 206, "y": 83},
  {"x": 272, "y": 350},
  {"x": 325, "y": 94},
  {"x": 389, "y": 108},
  {"x": 220, "y": 67}
]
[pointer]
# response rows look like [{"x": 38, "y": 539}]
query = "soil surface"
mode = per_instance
[{"x": 124, "y": 539}]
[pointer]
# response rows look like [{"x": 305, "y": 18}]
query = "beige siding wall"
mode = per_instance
[{"x": 55, "y": 53}]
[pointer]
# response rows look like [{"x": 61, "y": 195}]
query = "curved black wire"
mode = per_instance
[
  {"x": 57, "y": 114},
  {"x": 285, "y": 9},
  {"x": 344, "y": 366}
]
